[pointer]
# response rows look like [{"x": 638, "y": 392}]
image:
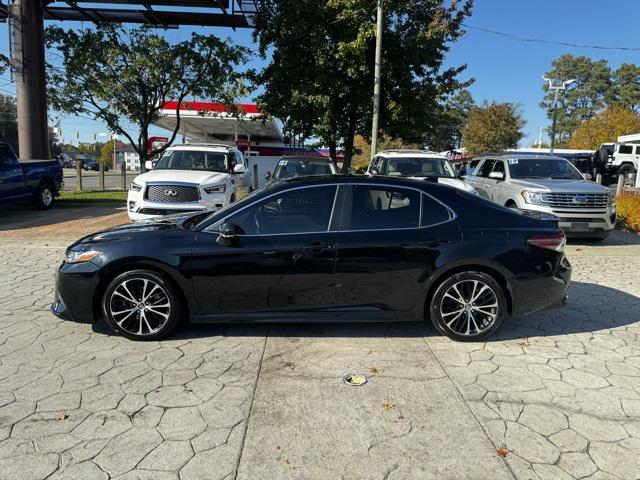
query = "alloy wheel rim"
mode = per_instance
[
  {"x": 140, "y": 306},
  {"x": 47, "y": 196},
  {"x": 469, "y": 307}
]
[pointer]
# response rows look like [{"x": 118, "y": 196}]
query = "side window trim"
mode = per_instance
[
  {"x": 214, "y": 226},
  {"x": 348, "y": 198}
]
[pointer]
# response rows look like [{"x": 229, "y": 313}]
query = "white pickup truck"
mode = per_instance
[{"x": 190, "y": 177}]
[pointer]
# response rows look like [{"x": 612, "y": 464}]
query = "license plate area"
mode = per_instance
[{"x": 579, "y": 226}]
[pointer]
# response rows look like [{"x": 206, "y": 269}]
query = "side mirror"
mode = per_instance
[
  {"x": 497, "y": 175},
  {"x": 267, "y": 176},
  {"x": 239, "y": 168},
  {"x": 374, "y": 171},
  {"x": 587, "y": 176},
  {"x": 148, "y": 165},
  {"x": 228, "y": 235}
]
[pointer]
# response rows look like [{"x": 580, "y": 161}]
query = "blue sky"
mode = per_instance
[{"x": 504, "y": 70}]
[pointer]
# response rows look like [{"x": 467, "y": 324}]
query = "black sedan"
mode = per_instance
[{"x": 321, "y": 249}]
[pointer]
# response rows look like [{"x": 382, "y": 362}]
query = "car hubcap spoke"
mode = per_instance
[
  {"x": 469, "y": 307},
  {"x": 140, "y": 306}
]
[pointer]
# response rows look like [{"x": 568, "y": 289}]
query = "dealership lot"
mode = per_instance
[{"x": 554, "y": 395}]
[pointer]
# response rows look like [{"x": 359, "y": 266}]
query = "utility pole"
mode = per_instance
[
  {"x": 27, "y": 67},
  {"x": 556, "y": 89},
  {"x": 376, "y": 81}
]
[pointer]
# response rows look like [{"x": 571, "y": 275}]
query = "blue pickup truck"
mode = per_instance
[{"x": 39, "y": 181}]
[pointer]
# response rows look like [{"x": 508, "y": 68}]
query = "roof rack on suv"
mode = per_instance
[{"x": 405, "y": 150}]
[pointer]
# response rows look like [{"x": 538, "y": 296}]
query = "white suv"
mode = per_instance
[
  {"x": 417, "y": 164},
  {"x": 190, "y": 177}
]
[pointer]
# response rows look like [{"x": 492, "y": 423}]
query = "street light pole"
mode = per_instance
[
  {"x": 556, "y": 89},
  {"x": 376, "y": 81}
]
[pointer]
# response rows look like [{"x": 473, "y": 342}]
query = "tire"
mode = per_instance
[
  {"x": 44, "y": 197},
  {"x": 233, "y": 198},
  {"x": 468, "y": 321},
  {"x": 128, "y": 313}
]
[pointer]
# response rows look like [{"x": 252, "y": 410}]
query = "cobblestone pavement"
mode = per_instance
[{"x": 555, "y": 395}]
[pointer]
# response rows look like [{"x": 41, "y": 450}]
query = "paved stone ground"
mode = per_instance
[{"x": 558, "y": 391}]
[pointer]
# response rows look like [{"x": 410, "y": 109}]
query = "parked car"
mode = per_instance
[
  {"x": 547, "y": 184},
  {"x": 417, "y": 164},
  {"x": 190, "y": 177},
  {"x": 623, "y": 161},
  {"x": 89, "y": 163},
  {"x": 39, "y": 181},
  {"x": 299, "y": 166},
  {"x": 331, "y": 248}
]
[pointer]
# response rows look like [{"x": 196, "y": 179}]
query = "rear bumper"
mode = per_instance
[{"x": 545, "y": 292}]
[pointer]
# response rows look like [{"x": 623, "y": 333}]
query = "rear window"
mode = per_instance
[{"x": 433, "y": 212}]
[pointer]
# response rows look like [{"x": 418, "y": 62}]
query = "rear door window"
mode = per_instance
[
  {"x": 625, "y": 149},
  {"x": 373, "y": 207},
  {"x": 433, "y": 212}
]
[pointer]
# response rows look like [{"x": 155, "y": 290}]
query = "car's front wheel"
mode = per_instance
[
  {"x": 141, "y": 305},
  {"x": 468, "y": 306}
]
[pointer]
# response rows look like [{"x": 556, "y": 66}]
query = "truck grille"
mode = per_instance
[
  {"x": 172, "y": 193},
  {"x": 576, "y": 200}
]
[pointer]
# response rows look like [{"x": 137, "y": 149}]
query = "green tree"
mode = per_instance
[
  {"x": 492, "y": 127},
  {"x": 106, "y": 152},
  {"x": 91, "y": 149},
  {"x": 605, "y": 127},
  {"x": 9, "y": 121},
  {"x": 319, "y": 78},
  {"x": 625, "y": 89},
  {"x": 584, "y": 98},
  {"x": 447, "y": 134},
  {"x": 125, "y": 76}
]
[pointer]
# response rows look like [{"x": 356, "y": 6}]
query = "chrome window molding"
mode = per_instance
[{"x": 452, "y": 213}]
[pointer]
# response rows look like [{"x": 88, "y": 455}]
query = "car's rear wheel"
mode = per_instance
[
  {"x": 44, "y": 197},
  {"x": 627, "y": 172},
  {"x": 141, "y": 305},
  {"x": 468, "y": 306}
]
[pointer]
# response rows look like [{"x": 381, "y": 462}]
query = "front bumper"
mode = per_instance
[
  {"x": 581, "y": 222},
  {"x": 74, "y": 292},
  {"x": 140, "y": 209}
]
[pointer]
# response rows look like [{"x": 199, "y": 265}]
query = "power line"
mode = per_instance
[{"x": 548, "y": 42}]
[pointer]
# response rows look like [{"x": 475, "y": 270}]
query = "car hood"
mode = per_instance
[
  {"x": 452, "y": 182},
  {"x": 198, "y": 177},
  {"x": 569, "y": 186},
  {"x": 135, "y": 229}
]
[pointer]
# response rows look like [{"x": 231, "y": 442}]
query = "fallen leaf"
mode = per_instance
[
  {"x": 373, "y": 370},
  {"x": 502, "y": 451},
  {"x": 522, "y": 342},
  {"x": 61, "y": 416},
  {"x": 388, "y": 406},
  {"x": 578, "y": 249}
]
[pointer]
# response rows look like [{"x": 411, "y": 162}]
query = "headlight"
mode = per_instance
[
  {"x": 612, "y": 199},
  {"x": 80, "y": 257},
  {"x": 215, "y": 188},
  {"x": 533, "y": 197},
  {"x": 135, "y": 187}
]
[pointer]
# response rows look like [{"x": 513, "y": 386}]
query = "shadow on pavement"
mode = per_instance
[
  {"x": 581, "y": 315},
  {"x": 25, "y": 216},
  {"x": 616, "y": 238}
]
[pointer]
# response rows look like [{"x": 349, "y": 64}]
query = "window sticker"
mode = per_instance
[
  {"x": 282, "y": 162},
  {"x": 513, "y": 161}
]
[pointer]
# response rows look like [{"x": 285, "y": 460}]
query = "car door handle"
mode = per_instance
[
  {"x": 318, "y": 247},
  {"x": 432, "y": 241}
]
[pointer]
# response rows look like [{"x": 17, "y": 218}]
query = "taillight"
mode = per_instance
[{"x": 552, "y": 241}]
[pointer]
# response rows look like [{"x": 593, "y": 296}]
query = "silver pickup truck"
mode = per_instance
[{"x": 546, "y": 184}]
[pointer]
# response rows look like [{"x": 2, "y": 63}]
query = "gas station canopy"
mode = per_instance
[{"x": 212, "y": 122}]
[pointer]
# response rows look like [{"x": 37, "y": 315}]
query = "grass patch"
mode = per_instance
[
  {"x": 109, "y": 196},
  {"x": 628, "y": 212}
]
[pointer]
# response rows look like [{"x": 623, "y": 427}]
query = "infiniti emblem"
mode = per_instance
[{"x": 170, "y": 193}]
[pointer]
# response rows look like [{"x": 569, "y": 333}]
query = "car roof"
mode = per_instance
[
  {"x": 362, "y": 179},
  {"x": 202, "y": 146},
  {"x": 305, "y": 158},
  {"x": 523, "y": 156},
  {"x": 410, "y": 153}
]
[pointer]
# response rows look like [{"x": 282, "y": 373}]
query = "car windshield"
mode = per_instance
[
  {"x": 288, "y": 168},
  {"x": 419, "y": 167},
  {"x": 551, "y": 168},
  {"x": 192, "y": 160}
]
